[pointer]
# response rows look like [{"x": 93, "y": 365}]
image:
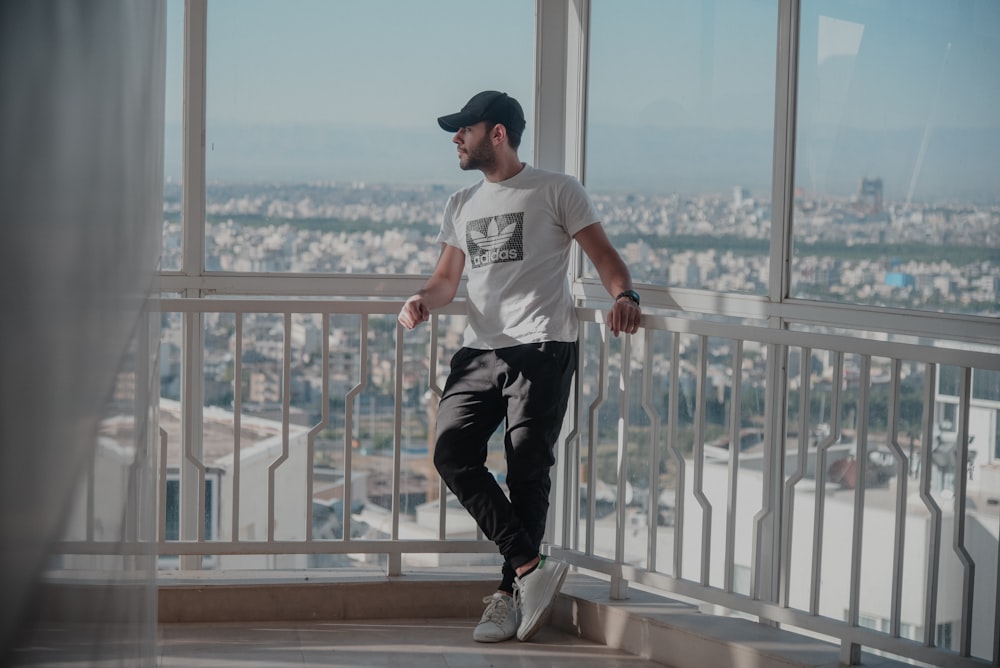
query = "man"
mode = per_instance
[{"x": 513, "y": 231}]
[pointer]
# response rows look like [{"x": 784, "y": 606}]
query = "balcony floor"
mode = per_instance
[{"x": 419, "y": 643}]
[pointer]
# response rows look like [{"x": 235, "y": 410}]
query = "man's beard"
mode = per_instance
[{"x": 481, "y": 156}]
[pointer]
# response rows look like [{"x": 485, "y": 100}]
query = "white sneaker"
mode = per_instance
[
  {"x": 535, "y": 593},
  {"x": 499, "y": 621}
]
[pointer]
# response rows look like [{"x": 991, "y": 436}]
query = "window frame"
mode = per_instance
[{"x": 562, "y": 38}]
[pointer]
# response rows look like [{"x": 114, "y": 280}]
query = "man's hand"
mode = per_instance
[
  {"x": 439, "y": 289},
  {"x": 624, "y": 316},
  {"x": 414, "y": 312}
]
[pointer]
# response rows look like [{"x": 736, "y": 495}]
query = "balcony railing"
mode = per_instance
[{"x": 829, "y": 484}]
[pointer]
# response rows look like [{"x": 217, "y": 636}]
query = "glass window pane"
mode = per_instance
[
  {"x": 172, "y": 137},
  {"x": 948, "y": 380},
  {"x": 996, "y": 436},
  {"x": 323, "y": 152},
  {"x": 680, "y": 135},
  {"x": 173, "y": 510},
  {"x": 897, "y": 168},
  {"x": 986, "y": 384}
]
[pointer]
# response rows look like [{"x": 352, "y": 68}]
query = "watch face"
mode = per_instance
[{"x": 631, "y": 294}]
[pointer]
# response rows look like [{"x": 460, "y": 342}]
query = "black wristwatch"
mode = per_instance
[{"x": 631, "y": 294}]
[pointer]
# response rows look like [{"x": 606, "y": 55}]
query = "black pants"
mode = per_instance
[{"x": 529, "y": 386}]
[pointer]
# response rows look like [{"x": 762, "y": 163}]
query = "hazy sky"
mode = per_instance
[
  {"x": 382, "y": 62},
  {"x": 923, "y": 67},
  {"x": 293, "y": 61}
]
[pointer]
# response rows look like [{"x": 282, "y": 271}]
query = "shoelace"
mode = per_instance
[{"x": 497, "y": 609}]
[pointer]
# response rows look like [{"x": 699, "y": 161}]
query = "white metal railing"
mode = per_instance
[
  {"x": 790, "y": 582},
  {"x": 193, "y": 540},
  {"x": 696, "y": 460}
]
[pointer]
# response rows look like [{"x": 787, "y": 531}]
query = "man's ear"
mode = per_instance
[{"x": 498, "y": 133}]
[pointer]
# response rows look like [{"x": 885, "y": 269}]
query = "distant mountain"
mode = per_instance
[
  {"x": 311, "y": 152},
  {"x": 956, "y": 163}
]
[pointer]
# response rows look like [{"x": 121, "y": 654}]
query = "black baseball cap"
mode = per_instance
[{"x": 490, "y": 105}]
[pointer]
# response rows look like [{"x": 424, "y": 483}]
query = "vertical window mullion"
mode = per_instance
[
  {"x": 561, "y": 54},
  {"x": 193, "y": 150},
  {"x": 782, "y": 183}
]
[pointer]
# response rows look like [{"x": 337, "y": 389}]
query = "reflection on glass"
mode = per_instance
[
  {"x": 681, "y": 109},
  {"x": 897, "y": 198}
]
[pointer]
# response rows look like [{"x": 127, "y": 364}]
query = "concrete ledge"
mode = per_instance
[
  {"x": 678, "y": 635},
  {"x": 652, "y": 627},
  {"x": 402, "y": 597}
]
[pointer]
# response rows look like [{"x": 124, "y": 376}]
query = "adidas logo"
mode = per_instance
[
  {"x": 495, "y": 239},
  {"x": 489, "y": 257}
]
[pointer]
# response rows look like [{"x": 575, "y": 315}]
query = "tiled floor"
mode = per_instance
[{"x": 437, "y": 643}]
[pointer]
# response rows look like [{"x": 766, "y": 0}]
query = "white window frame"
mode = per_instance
[{"x": 562, "y": 40}]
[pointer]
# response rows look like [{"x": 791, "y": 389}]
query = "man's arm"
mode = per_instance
[
  {"x": 439, "y": 289},
  {"x": 624, "y": 315}
]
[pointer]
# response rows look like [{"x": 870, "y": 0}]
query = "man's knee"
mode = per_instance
[
  {"x": 447, "y": 455},
  {"x": 442, "y": 461}
]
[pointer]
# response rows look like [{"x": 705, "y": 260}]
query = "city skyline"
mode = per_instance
[{"x": 856, "y": 249}]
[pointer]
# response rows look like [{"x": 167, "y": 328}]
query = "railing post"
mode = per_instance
[
  {"x": 192, "y": 482},
  {"x": 767, "y": 529},
  {"x": 850, "y": 653},
  {"x": 619, "y": 585},
  {"x": 394, "y": 564}
]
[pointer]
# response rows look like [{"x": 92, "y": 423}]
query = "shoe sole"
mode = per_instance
[
  {"x": 541, "y": 617},
  {"x": 495, "y": 639}
]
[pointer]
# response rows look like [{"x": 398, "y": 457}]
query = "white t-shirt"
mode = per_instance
[{"x": 516, "y": 236}]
